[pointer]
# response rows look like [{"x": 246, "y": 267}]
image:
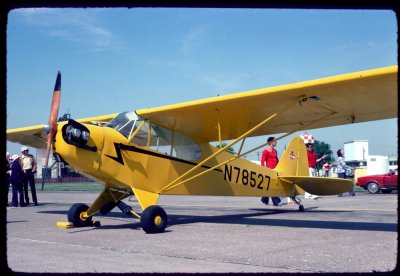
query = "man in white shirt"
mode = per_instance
[{"x": 28, "y": 164}]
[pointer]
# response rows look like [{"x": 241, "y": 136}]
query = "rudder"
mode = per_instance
[{"x": 294, "y": 160}]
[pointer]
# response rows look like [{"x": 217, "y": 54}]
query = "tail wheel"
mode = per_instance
[
  {"x": 154, "y": 219},
  {"x": 75, "y": 215}
]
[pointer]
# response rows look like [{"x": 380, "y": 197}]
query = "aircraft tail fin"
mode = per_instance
[
  {"x": 293, "y": 169},
  {"x": 294, "y": 160}
]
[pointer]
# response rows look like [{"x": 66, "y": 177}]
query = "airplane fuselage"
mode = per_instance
[{"x": 110, "y": 158}]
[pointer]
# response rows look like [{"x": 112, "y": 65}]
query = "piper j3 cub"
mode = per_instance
[{"x": 167, "y": 150}]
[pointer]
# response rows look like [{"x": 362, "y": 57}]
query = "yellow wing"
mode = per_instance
[
  {"x": 35, "y": 136},
  {"x": 350, "y": 98}
]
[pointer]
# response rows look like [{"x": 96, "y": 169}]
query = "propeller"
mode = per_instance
[{"x": 51, "y": 128}]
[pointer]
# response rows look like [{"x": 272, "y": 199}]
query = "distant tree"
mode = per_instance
[{"x": 322, "y": 148}]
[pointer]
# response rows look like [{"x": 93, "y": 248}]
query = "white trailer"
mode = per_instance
[
  {"x": 377, "y": 164},
  {"x": 356, "y": 150}
]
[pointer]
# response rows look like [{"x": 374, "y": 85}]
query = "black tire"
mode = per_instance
[
  {"x": 74, "y": 215},
  {"x": 373, "y": 188},
  {"x": 154, "y": 219},
  {"x": 301, "y": 208}
]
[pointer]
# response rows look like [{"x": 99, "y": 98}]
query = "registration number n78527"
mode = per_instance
[{"x": 245, "y": 177}]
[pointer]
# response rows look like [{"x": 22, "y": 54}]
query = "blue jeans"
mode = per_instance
[
  {"x": 17, "y": 191},
  {"x": 351, "y": 192},
  {"x": 275, "y": 200}
]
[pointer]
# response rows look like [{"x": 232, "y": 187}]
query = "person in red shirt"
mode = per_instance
[
  {"x": 312, "y": 163},
  {"x": 326, "y": 167},
  {"x": 269, "y": 159}
]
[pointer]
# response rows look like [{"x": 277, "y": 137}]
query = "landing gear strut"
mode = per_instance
[{"x": 298, "y": 202}]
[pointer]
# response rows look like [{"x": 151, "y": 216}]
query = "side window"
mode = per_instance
[
  {"x": 161, "y": 139},
  {"x": 166, "y": 141},
  {"x": 186, "y": 148},
  {"x": 141, "y": 138}
]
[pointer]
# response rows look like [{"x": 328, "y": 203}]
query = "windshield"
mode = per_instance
[
  {"x": 124, "y": 123},
  {"x": 155, "y": 137}
]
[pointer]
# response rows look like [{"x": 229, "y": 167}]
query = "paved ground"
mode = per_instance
[{"x": 210, "y": 234}]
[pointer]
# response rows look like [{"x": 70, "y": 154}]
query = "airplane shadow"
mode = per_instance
[
  {"x": 250, "y": 219},
  {"x": 16, "y": 221}
]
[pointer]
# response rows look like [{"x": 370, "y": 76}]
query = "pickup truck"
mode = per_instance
[{"x": 380, "y": 182}]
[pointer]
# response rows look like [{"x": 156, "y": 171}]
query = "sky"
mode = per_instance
[{"x": 117, "y": 59}]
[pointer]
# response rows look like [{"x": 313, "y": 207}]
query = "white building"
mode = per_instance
[
  {"x": 356, "y": 153},
  {"x": 357, "y": 156},
  {"x": 377, "y": 164}
]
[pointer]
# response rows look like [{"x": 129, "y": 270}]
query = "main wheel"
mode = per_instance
[
  {"x": 154, "y": 219},
  {"x": 373, "y": 188},
  {"x": 74, "y": 215}
]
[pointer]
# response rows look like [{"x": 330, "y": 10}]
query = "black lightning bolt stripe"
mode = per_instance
[{"x": 119, "y": 147}]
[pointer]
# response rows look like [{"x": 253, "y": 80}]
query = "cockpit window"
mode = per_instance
[
  {"x": 155, "y": 137},
  {"x": 124, "y": 123}
]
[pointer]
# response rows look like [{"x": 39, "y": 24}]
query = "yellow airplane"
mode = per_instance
[{"x": 167, "y": 150}]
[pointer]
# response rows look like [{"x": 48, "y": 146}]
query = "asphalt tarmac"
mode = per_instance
[{"x": 209, "y": 234}]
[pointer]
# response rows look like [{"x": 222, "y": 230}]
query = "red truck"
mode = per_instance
[{"x": 380, "y": 182}]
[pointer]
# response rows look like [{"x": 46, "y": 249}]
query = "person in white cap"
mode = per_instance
[
  {"x": 8, "y": 172},
  {"x": 28, "y": 163},
  {"x": 16, "y": 179}
]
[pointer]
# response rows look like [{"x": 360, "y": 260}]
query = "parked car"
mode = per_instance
[{"x": 380, "y": 182}]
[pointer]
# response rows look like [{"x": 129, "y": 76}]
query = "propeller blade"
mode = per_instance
[{"x": 55, "y": 104}]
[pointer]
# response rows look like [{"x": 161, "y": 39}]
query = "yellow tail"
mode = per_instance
[
  {"x": 294, "y": 161},
  {"x": 293, "y": 168}
]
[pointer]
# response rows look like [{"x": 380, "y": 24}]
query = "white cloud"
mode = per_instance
[
  {"x": 80, "y": 26},
  {"x": 193, "y": 38}
]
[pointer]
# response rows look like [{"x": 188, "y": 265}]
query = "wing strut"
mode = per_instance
[
  {"x": 219, "y": 129},
  {"x": 167, "y": 188},
  {"x": 174, "y": 183}
]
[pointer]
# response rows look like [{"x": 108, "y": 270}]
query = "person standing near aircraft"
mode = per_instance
[
  {"x": 28, "y": 164},
  {"x": 326, "y": 167},
  {"x": 342, "y": 168},
  {"x": 8, "y": 171},
  {"x": 16, "y": 179},
  {"x": 312, "y": 162},
  {"x": 269, "y": 159}
]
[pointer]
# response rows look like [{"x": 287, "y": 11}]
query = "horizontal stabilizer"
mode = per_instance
[{"x": 320, "y": 185}]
